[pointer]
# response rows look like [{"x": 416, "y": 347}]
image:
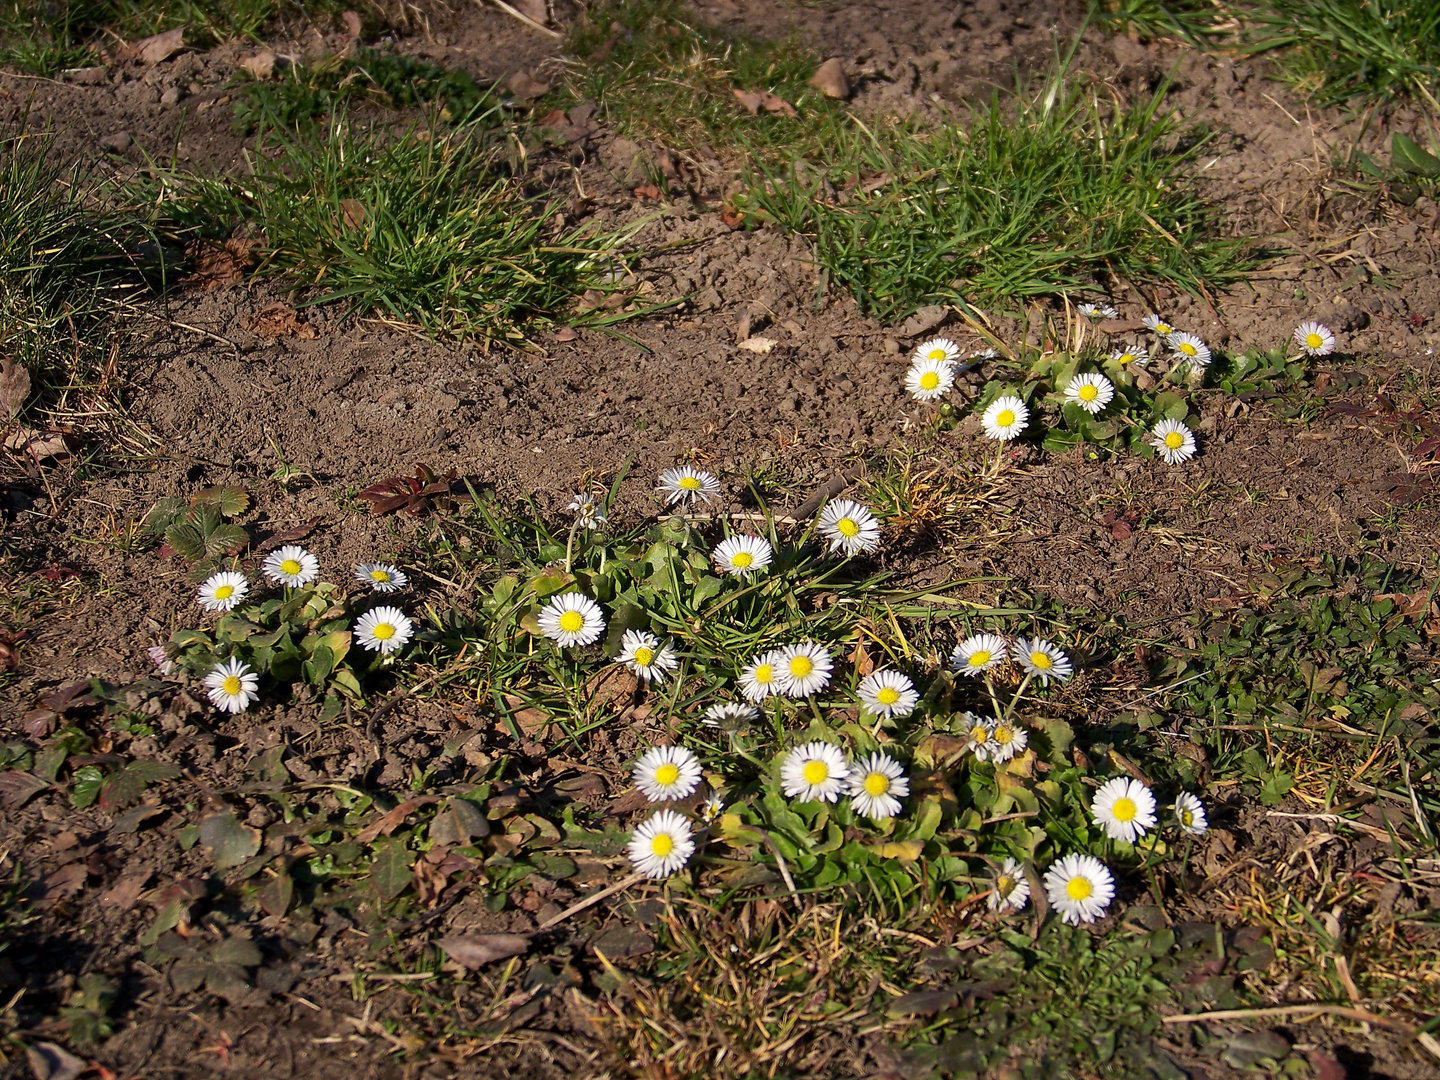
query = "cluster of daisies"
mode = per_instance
[
  {"x": 232, "y": 685},
  {"x": 936, "y": 363}
]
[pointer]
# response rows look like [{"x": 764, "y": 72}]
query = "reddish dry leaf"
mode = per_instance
[
  {"x": 411, "y": 493},
  {"x": 59, "y": 884},
  {"x": 477, "y": 950},
  {"x": 39, "y": 445},
  {"x": 17, "y": 788},
  {"x": 216, "y": 266},
  {"x": 158, "y": 48},
  {"x": 352, "y": 213},
  {"x": 387, "y": 824},
  {"x": 14, "y": 388},
  {"x": 125, "y": 892},
  {"x": 289, "y": 536},
  {"x": 277, "y": 320},
  {"x": 754, "y": 102}
]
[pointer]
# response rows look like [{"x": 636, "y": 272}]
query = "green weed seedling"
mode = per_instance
[{"x": 202, "y": 531}]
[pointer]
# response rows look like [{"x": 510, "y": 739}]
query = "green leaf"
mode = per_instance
[
  {"x": 187, "y": 541},
  {"x": 229, "y": 842},
  {"x": 390, "y": 869},
  {"x": 229, "y": 501},
  {"x": 275, "y": 897},
  {"x": 1406, "y": 154},
  {"x": 1274, "y": 788},
  {"x": 708, "y": 587},
  {"x": 317, "y": 669},
  {"x": 87, "y": 780},
  {"x": 165, "y": 513},
  {"x": 226, "y": 540}
]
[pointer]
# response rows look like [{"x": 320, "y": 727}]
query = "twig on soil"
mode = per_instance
[
  {"x": 1343, "y": 1011},
  {"x": 182, "y": 326},
  {"x": 590, "y": 901},
  {"x": 828, "y": 490},
  {"x": 525, "y": 19}
]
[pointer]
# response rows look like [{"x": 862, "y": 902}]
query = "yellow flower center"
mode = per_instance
[
  {"x": 1041, "y": 660},
  {"x": 801, "y": 666},
  {"x": 667, "y": 774},
  {"x": 1314, "y": 340},
  {"x": 1187, "y": 348},
  {"x": 1002, "y": 735},
  {"x": 1187, "y": 818},
  {"x": 979, "y": 658},
  {"x": 815, "y": 772},
  {"x": 224, "y": 592},
  {"x": 877, "y": 783},
  {"x": 380, "y": 575},
  {"x": 1079, "y": 888},
  {"x": 290, "y": 566},
  {"x": 764, "y": 673},
  {"x": 935, "y": 354},
  {"x": 572, "y": 622},
  {"x": 1164, "y": 329},
  {"x": 231, "y": 685},
  {"x": 643, "y": 656},
  {"x": 887, "y": 695},
  {"x": 1005, "y": 418},
  {"x": 1124, "y": 810},
  {"x": 1004, "y": 884},
  {"x": 1126, "y": 358},
  {"x": 1088, "y": 392},
  {"x": 847, "y": 527},
  {"x": 1174, "y": 440},
  {"x": 742, "y": 560},
  {"x": 661, "y": 844},
  {"x": 930, "y": 380},
  {"x": 383, "y": 631},
  {"x": 690, "y": 483},
  {"x": 979, "y": 733}
]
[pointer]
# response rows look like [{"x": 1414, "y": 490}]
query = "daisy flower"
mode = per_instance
[
  {"x": 979, "y": 652},
  {"x": 1041, "y": 659},
  {"x": 742, "y": 555},
  {"x": 804, "y": 669},
  {"x": 977, "y": 736},
  {"x": 711, "y": 807},
  {"x": 1007, "y": 740},
  {"x": 587, "y": 511},
  {"x": 1124, "y": 808},
  {"x": 384, "y": 630},
  {"x": 929, "y": 379},
  {"x": 291, "y": 565},
  {"x": 1090, "y": 391},
  {"x": 222, "y": 591},
  {"x": 888, "y": 693},
  {"x": 1189, "y": 349},
  {"x": 1009, "y": 888},
  {"x": 1131, "y": 357},
  {"x": 815, "y": 771},
  {"x": 381, "y": 577},
  {"x": 684, "y": 484},
  {"x": 1095, "y": 312},
  {"x": 877, "y": 784},
  {"x": 1190, "y": 814},
  {"x": 732, "y": 715},
  {"x": 643, "y": 654},
  {"x": 667, "y": 773},
  {"x": 850, "y": 527},
  {"x": 572, "y": 619},
  {"x": 661, "y": 845},
  {"x": 1080, "y": 888},
  {"x": 1161, "y": 328},
  {"x": 937, "y": 350},
  {"x": 761, "y": 677},
  {"x": 232, "y": 686},
  {"x": 1314, "y": 339},
  {"x": 161, "y": 659},
  {"x": 1005, "y": 418},
  {"x": 984, "y": 354},
  {"x": 1173, "y": 441}
]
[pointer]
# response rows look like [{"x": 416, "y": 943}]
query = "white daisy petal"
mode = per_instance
[
  {"x": 381, "y": 577},
  {"x": 232, "y": 686},
  {"x": 742, "y": 555},
  {"x": 222, "y": 591},
  {"x": 804, "y": 669},
  {"x": 710, "y": 809},
  {"x": 1173, "y": 441},
  {"x": 661, "y": 845},
  {"x": 587, "y": 510},
  {"x": 1005, "y": 418},
  {"x": 643, "y": 653},
  {"x": 1124, "y": 808},
  {"x": 1189, "y": 349},
  {"x": 1042, "y": 660},
  {"x": 1314, "y": 339},
  {"x": 1006, "y": 740},
  {"x": 979, "y": 652},
  {"x": 1190, "y": 814},
  {"x": 1096, "y": 312},
  {"x": 814, "y": 772},
  {"x": 291, "y": 565},
  {"x": 572, "y": 619},
  {"x": 1161, "y": 328},
  {"x": 977, "y": 735},
  {"x": 938, "y": 350},
  {"x": 877, "y": 784},
  {"x": 731, "y": 715},
  {"x": 1130, "y": 357},
  {"x": 888, "y": 694},
  {"x": 1009, "y": 887},
  {"x": 850, "y": 528},
  {"x": 762, "y": 676},
  {"x": 384, "y": 630},
  {"x": 928, "y": 380},
  {"x": 1080, "y": 888},
  {"x": 685, "y": 485},
  {"x": 1090, "y": 391},
  {"x": 667, "y": 773}
]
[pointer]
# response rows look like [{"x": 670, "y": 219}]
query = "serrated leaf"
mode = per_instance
[
  {"x": 162, "y": 515},
  {"x": 226, "y": 539},
  {"x": 238, "y": 951},
  {"x": 86, "y": 787},
  {"x": 229, "y": 842},
  {"x": 275, "y": 897},
  {"x": 1407, "y": 154},
  {"x": 187, "y": 541},
  {"x": 390, "y": 869},
  {"x": 230, "y": 501}
]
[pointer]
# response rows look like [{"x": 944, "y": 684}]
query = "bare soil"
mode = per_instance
[{"x": 354, "y": 401}]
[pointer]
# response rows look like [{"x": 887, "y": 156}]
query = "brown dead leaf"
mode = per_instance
[
  {"x": 10, "y": 648},
  {"x": 353, "y": 24},
  {"x": 59, "y": 884},
  {"x": 751, "y": 102},
  {"x": 754, "y": 102},
  {"x": 160, "y": 47},
  {"x": 612, "y": 686},
  {"x": 14, "y": 388},
  {"x": 39, "y": 445},
  {"x": 352, "y": 213},
  {"x": 264, "y": 64},
  {"x": 1120, "y": 326},
  {"x": 288, "y": 536},
  {"x": 277, "y": 320},
  {"x": 531, "y": 721},
  {"x": 477, "y": 950},
  {"x": 50, "y": 1062},
  {"x": 830, "y": 80},
  {"x": 388, "y": 823},
  {"x": 123, "y": 895},
  {"x": 565, "y": 333},
  {"x": 526, "y": 87},
  {"x": 761, "y": 345},
  {"x": 647, "y": 191},
  {"x": 860, "y": 659},
  {"x": 17, "y": 788},
  {"x": 218, "y": 265}
]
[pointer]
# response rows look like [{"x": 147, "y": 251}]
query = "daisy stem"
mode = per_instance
[
  {"x": 570, "y": 543},
  {"x": 1019, "y": 690},
  {"x": 1185, "y": 858},
  {"x": 994, "y": 701}
]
